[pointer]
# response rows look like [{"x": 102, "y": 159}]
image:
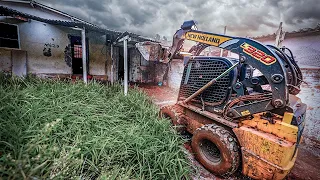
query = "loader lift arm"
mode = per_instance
[{"x": 277, "y": 68}]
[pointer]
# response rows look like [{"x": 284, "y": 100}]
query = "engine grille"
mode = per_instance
[{"x": 199, "y": 72}]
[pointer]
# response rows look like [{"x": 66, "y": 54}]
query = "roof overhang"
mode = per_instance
[{"x": 113, "y": 36}]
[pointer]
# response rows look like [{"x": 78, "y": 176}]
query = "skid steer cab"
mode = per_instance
[{"x": 238, "y": 121}]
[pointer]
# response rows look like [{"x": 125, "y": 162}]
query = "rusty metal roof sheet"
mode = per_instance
[
  {"x": 5, "y": 11},
  {"x": 292, "y": 33}
]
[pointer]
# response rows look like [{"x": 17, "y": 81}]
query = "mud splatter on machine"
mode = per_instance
[{"x": 236, "y": 123}]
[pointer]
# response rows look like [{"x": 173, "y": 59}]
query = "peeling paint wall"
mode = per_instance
[
  {"x": 115, "y": 56},
  {"x": 305, "y": 49},
  {"x": 48, "y": 46},
  {"x": 310, "y": 95},
  {"x": 97, "y": 54},
  {"x": 144, "y": 71},
  {"x": 135, "y": 74},
  {"x": 175, "y": 74},
  {"x": 49, "y": 51},
  {"x": 141, "y": 70},
  {"x": 5, "y": 61},
  {"x": 45, "y": 45}
]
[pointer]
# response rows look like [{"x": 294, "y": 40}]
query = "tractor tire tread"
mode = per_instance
[
  {"x": 177, "y": 112},
  {"x": 230, "y": 141}
]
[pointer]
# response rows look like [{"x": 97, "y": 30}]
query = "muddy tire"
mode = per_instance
[
  {"x": 216, "y": 149},
  {"x": 174, "y": 113}
]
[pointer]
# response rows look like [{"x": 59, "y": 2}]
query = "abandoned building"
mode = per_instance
[{"x": 37, "y": 39}]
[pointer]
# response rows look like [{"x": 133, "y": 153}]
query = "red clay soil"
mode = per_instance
[
  {"x": 161, "y": 95},
  {"x": 306, "y": 166}
]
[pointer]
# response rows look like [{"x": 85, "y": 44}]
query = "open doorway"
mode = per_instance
[
  {"x": 121, "y": 64},
  {"x": 76, "y": 48}
]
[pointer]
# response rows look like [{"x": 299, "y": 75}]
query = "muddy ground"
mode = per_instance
[{"x": 306, "y": 166}]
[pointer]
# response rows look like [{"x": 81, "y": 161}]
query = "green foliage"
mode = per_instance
[{"x": 62, "y": 130}]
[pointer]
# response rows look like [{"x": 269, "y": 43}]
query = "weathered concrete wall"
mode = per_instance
[
  {"x": 175, "y": 74},
  {"x": 48, "y": 46},
  {"x": 49, "y": 52},
  {"x": 310, "y": 94},
  {"x": 38, "y": 39},
  {"x": 108, "y": 63},
  {"x": 5, "y": 61},
  {"x": 115, "y": 56},
  {"x": 141, "y": 70},
  {"x": 45, "y": 45},
  {"x": 19, "y": 62},
  {"x": 145, "y": 71},
  {"x": 305, "y": 49},
  {"x": 97, "y": 54},
  {"x": 97, "y": 60},
  {"x": 135, "y": 74}
]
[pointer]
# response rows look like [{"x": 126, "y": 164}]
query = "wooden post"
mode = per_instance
[
  {"x": 84, "y": 55},
  {"x": 224, "y": 32},
  {"x": 279, "y": 36},
  {"x": 111, "y": 54}
]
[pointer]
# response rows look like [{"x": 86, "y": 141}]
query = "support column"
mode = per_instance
[
  {"x": 84, "y": 56},
  {"x": 125, "y": 57},
  {"x": 111, "y": 54}
]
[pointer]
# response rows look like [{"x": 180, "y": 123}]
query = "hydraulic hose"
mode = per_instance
[{"x": 283, "y": 56}]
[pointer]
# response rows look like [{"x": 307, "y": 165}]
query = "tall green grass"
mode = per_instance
[{"x": 61, "y": 130}]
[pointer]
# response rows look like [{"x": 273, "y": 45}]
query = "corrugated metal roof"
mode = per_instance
[
  {"x": 114, "y": 35},
  {"x": 292, "y": 33}
]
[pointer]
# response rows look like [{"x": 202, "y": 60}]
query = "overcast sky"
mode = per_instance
[{"x": 164, "y": 17}]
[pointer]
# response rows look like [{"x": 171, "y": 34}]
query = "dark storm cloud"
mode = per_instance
[
  {"x": 298, "y": 12},
  {"x": 137, "y": 13},
  {"x": 164, "y": 17},
  {"x": 294, "y": 13}
]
